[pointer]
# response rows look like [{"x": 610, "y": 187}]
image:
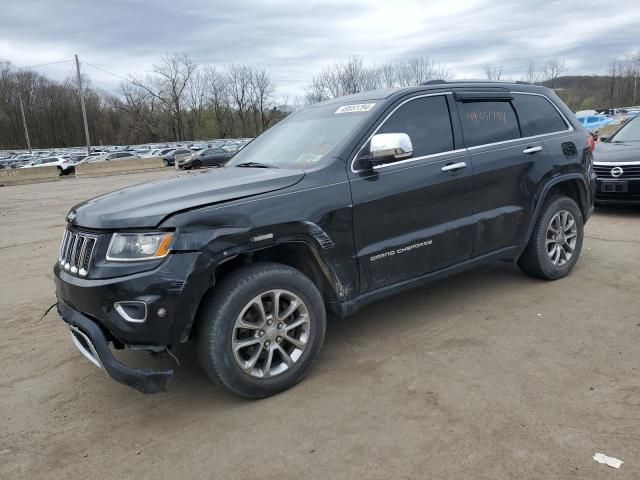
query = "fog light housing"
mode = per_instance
[{"x": 132, "y": 311}]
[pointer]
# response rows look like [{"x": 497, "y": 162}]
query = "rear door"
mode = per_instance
[
  {"x": 506, "y": 167},
  {"x": 413, "y": 216}
]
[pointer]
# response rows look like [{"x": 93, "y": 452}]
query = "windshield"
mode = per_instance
[
  {"x": 303, "y": 140},
  {"x": 629, "y": 132}
]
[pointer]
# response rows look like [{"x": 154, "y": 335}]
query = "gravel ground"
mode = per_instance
[{"x": 486, "y": 375}]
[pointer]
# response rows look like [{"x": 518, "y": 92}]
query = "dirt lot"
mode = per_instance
[{"x": 487, "y": 375}]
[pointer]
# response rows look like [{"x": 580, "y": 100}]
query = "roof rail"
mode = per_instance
[{"x": 434, "y": 82}]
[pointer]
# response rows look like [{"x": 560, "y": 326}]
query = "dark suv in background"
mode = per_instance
[
  {"x": 341, "y": 204},
  {"x": 209, "y": 157}
]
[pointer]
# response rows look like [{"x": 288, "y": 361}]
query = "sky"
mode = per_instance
[{"x": 294, "y": 39}]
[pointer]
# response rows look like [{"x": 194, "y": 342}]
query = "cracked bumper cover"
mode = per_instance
[{"x": 89, "y": 338}]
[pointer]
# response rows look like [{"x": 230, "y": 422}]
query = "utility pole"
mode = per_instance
[
  {"x": 24, "y": 123},
  {"x": 84, "y": 110}
]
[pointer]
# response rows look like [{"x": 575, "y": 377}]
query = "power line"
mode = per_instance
[
  {"x": 107, "y": 71},
  {"x": 44, "y": 64}
]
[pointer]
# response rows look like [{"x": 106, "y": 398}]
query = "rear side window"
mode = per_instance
[
  {"x": 488, "y": 122},
  {"x": 427, "y": 122},
  {"x": 537, "y": 115}
]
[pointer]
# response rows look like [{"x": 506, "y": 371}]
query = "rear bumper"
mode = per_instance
[{"x": 89, "y": 338}]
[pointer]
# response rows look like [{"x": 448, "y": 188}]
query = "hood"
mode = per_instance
[
  {"x": 147, "y": 204},
  {"x": 617, "y": 152}
]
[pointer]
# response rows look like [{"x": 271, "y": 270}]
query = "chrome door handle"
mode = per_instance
[
  {"x": 454, "y": 166},
  {"x": 531, "y": 150}
]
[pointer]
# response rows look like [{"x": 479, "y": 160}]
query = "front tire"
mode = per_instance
[
  {"x": 261, "y": 330},
  {"x": 165, "y": 162},
  {"x": 196, "y": 164},
  {"x": 556, "y": 241}
]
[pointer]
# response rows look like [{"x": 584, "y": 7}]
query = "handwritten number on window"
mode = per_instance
[{"x": 484, "y": 117}]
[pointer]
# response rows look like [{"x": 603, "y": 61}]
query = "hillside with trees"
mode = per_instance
[{"x": 181, "y": 100}]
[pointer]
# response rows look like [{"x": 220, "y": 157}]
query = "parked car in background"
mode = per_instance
[
  {"x": 64, "y": 165},
  {"x": 153, "y": 153},
  {"x": 593, "y": 122},
  {"x": 121, "y": 156},
  {"x": 169, "y": 158},
  {"x": 210, "y": 157},
  {"x": 75, "y": 158},
  {"x": 198, "y": 147},
  {"x": 617, "y": 165}
]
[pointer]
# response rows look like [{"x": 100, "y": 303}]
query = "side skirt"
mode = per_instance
[{"x": 344, "y": 309}]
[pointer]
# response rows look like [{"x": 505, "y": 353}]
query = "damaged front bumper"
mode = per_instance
[{"x": 90, "y": 339}]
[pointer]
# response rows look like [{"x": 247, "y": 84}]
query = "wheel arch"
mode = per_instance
[
  {"x": 570, "y": 185},
  {"x": 299, "y": 254}
]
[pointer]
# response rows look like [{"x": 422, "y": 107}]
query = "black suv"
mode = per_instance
[{"x": 341, "y": 204}]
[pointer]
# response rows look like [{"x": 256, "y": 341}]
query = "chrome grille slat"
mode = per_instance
[
  {"x": 76, "y": 251},
  {"x": 63, "y": 245},
  {"x": 72, "y": 242},
  {"x": 628, "y": 171}
]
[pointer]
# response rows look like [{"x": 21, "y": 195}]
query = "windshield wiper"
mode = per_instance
[{"x": 255, "y": 165}]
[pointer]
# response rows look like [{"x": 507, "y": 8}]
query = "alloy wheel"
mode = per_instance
[
  {"x": 561, "y": 239},
  {"x": 271, "y": 333}
]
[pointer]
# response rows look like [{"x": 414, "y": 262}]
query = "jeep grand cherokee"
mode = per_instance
[{"x": 336, "y": 206}]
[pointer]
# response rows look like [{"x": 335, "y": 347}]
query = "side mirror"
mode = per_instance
[{"x": 387, "y": 148}]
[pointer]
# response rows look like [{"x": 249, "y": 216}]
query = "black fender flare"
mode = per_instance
[
  {"x": 584, "y": 197},
  {"x": 306, "y": 233}
]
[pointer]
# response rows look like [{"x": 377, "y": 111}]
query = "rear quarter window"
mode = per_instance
[
  {"x": 537, "y": 115},
  {"x": 488, "y": 122}
]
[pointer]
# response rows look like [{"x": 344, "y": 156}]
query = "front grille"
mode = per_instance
[
  {"x": 628, "y": 171},
  {"x": 75, "y": 252}
]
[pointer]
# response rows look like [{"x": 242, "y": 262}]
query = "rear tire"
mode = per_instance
[
  {"x": 258, "y": 351},
  {"x": 165, "y": 163},
  {"x": 556, "y": 241}
]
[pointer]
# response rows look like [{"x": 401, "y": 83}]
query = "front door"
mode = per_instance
[{"x": 414, "y": 216}]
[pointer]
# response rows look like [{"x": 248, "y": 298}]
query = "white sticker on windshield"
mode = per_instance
[{"x": 360, "y": 107}]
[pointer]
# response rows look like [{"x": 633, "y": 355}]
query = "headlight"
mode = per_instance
[{"x": 131, "y": 247}]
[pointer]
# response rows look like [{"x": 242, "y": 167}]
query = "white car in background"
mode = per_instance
[{"x": 64, "y": 165}]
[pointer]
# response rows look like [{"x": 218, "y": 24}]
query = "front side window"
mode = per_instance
[
  {"x": 427, "y": 122},
  {"x": 488, "y": 122},
  {"x": 537, "y": 115}
]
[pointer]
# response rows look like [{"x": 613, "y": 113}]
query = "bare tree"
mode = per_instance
[
  {"x": 195, "y": 101},
  {"x": 493, "y": 72},
  {"x": 262, "y": 89},
  {"x": 238, "y": 81},
  {"x": 417, "y": 70},
  {"x": 218, "y": 97},
  {"x": 167, "y": 83},
  {"x": 553, "y": 69},
  {"x": 353, "y": 77},
  {"x": 531, "y": 75},
  {"x": 388, "y": 75}
]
